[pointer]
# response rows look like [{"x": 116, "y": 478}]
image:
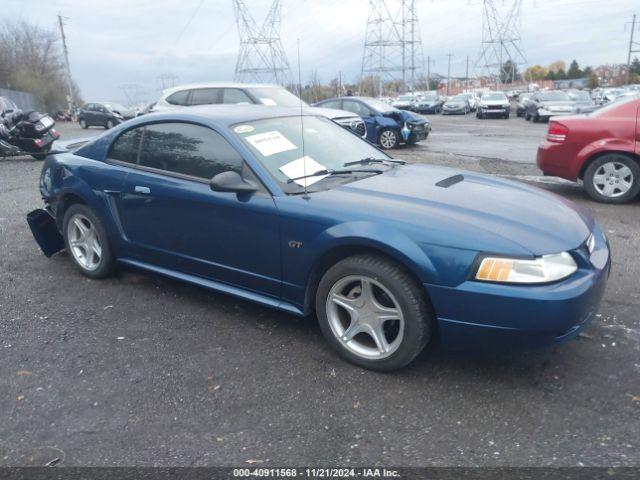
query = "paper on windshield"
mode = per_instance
[
  {"x": 301, "y": 167},
  {"x": 270, "y": 143},
  {"x": 270, "y": 102}
]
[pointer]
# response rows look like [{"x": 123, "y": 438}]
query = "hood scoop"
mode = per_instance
[{"x": 447, "y": 182}]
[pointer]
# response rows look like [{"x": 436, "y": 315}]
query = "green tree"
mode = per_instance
[
  {"x": 592, "y": 81},
  {"x": 574, "y": 70},
  {"x": 635, "y": 66}
]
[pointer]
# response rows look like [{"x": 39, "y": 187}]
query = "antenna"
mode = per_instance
[{"x": 304, "y": 159}]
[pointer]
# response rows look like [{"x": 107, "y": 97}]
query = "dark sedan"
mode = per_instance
[
  {"x": 106, "y": 115},
  {"x": 457, "y": 105},
  {"x": 300, "y": 215}
]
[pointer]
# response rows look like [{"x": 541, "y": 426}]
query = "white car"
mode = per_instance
[
  {"x": 245, "y": 93},
  {"x": 404, "y": 102}
]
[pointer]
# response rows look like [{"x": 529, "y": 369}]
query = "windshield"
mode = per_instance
[
  {"x": 274, "y": 96},
  {"x": 459, "y": 98},
  {"x": 494, "y": 96},
  {"x": 430, "y": 97},
  {"x": 115, "y": 107},
  {"x": 582, "y": 96},
  {"x": 405, "y": 98},
  {"x": 277, "y": 144},
  {"x": 6, "y": 104},
  {"x": 379, "y": 106},
  {"x": 553, "y": 97}
]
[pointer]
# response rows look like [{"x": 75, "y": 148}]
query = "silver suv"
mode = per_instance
[{"x": 244, "y": 93}]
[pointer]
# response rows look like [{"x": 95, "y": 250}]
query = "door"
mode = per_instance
[
  {"x": 366, "y": 114},
  {"x": 170, "y": 217}
]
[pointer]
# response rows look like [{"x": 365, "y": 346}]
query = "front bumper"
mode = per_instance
[
  {"x": 426, "y": 108},
  {"x": 420, "y": 132},
  {"x": 493, "y": 111},
  {"x": 457, "y": 110},
  {"x": 486, "y": 314}
]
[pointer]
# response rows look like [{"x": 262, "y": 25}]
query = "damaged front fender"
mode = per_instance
[{"x": 45, "y": 231}]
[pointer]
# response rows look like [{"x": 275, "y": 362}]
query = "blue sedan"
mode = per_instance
[
  {"x": 387, "y": 126},
  {"x": 296, "y": 213}
]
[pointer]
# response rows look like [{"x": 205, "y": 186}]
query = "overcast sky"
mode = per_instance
[{"x": 132, "y": 42}]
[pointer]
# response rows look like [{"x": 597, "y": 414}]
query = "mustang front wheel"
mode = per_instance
[
  {"x": 86, "y": 241},
  {"x": 373, "y": 313}
]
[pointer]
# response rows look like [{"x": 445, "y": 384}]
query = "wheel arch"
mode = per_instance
[
  {"x": 352, "y": 247},
  {"x": 593, "y": 156}
]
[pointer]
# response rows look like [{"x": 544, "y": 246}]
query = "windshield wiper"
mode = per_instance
[
  {"x": 334, "y": 172},
  {"x": 370, "y": 160}
]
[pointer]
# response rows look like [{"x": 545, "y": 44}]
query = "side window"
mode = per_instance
[
  {"x": 235, "y": 95},
  {"x": 355, "y": 107},
  {"x": 178, "y": 98},
  {"x": 332, "y": 104},
  {"x": 126, "y": 146},
  {"x": 189, "y": 150},
  {"x": 205, "y": 96}
]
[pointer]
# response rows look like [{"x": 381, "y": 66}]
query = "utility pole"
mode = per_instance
[
  {"x": 71, "y": 97},
  {"x": 631, "y": 45},
  {"x": 429, "y": 61},
  {"x": 448, "y": 71},
  {"x": 466, "y": 75}
]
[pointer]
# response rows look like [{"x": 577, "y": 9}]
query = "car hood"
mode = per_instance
[
  {"x": 331, "y": 113},
  {"x": 561, "y": 103},
  {"x": 454, "y": 104},
  {"x": 405, "y": 116},
  {"x": 494, "y": 102},
  {"x": 468, "y": 210}
]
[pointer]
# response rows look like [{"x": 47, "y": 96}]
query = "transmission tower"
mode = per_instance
[
  {"x": 392, "y": 46},
  {"x": 261, "y": 57},
  {"x": 501, "y": 41}
]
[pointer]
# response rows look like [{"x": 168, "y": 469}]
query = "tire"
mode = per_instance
[
  {"x": 606, "y": 178},
  {"x": 391, "y": 287},
  {"x": 527, "y": 117},
  {"x": 506, "y": 116},
  {"x": 83, "y": 124},
  {"x": 536, "y": 118},
  {"x": 81, "y": 247},
  {"x": 388, "y": 138},
  {"x": 109, "y": 125}
]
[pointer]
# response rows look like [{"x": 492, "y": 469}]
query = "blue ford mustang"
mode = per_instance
[{"x": 299, "y": 214}]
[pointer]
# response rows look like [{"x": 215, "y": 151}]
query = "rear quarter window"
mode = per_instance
[
  {"x": 178, "y": 98},
  {"x": 126, "y": 146}
]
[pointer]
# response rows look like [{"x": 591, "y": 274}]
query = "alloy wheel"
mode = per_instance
[
  {"x": 613, "y": 179},
  {"x": 365, "y": 317},
  {"x": 388, "y": 139},
  {"x": 84, "y": 242}
]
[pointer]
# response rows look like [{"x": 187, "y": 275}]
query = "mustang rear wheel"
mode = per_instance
[
  {"x": 373, "y": 313},
  {"x": 86, "y": 241},
  {"x": 388, "y": 139},
  {"x": 612, "y": 178}
]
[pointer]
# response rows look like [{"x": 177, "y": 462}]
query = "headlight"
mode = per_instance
[
  {"x": 547, "y": 268},
  {"x": 483, "y": 105},
  {"x": 118, "y": 116}
]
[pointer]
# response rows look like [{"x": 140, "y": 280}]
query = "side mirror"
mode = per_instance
[{"x": 231, "y": 182}]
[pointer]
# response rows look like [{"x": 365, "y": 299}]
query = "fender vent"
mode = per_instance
[{"x": 447, "y": 182}]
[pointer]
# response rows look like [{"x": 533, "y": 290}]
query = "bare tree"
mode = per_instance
[{"x": 30, "y": 60}]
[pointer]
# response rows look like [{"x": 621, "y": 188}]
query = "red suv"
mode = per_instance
[{"x": 601, "y": 148}]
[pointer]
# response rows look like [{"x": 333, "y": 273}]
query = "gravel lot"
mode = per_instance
[{"x": 141, "y": 370}]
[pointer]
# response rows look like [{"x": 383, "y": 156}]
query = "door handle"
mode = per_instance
[{"x": 143, "y": 190}]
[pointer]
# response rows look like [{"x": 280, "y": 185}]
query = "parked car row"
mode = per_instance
[{"x": 369, "y": 118}]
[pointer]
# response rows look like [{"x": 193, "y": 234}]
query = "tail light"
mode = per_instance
[{"x": 557, "y": 132}]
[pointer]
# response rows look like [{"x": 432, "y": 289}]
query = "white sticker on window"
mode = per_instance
[
  {"x": 270, "y": 143},
  {"x": 270, "y": 102},
  {"x": 243, "y": 129},
  {"x": 301, "y": 167}
]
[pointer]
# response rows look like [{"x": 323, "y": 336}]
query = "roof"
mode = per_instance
[
  {"x": 218, "y": 85},
  {"x": 223, "y": 115}
]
